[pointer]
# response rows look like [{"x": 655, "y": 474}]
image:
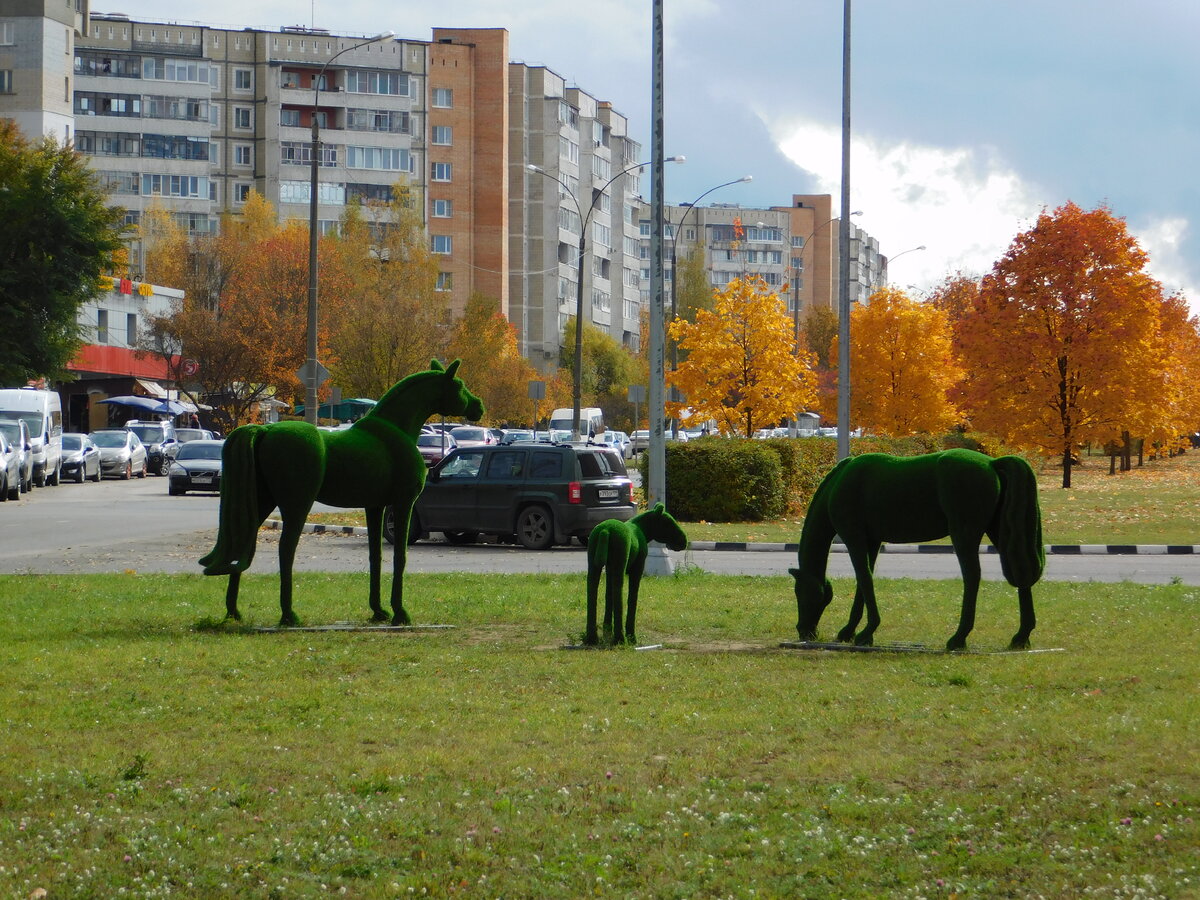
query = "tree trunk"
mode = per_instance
[{"x": 1066, "y": 464}]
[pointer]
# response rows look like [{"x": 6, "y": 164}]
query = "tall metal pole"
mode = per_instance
[
  {"x": 656, "y": 490},
  {"x": 843, "y": 398}
]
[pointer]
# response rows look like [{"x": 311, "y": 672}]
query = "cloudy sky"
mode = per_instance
[{"x": 969, "y": 117}]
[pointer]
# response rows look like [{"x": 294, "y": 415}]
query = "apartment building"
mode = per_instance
[
  {"x": 37, "y": 45},
  {"x": 794, "y": 246},
  {"x": 584, "y": 192}
]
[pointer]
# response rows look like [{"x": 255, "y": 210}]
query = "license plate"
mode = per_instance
[
  {"x": 202, "y": 479},
  {"x": 608, "y": 493}
]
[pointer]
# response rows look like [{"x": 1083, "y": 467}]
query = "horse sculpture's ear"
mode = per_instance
[
  {"x": 435, "y": 365},
  {"x": 453, "y": 368},
  {"x": 658, "y": 507}
]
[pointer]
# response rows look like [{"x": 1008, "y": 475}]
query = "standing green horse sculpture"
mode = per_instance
[
  {"x": 621, "y": 548},
  {"x": 373, "y": 464},
  {"x": 875, "y": 498}
]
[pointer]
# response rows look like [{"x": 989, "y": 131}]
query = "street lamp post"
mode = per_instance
[
  {"x": 584, "y": 218},
  {"x": 311, "y": 366},
  {"x": 892, "y": 259},
  {"x": 675, "y": 277}
]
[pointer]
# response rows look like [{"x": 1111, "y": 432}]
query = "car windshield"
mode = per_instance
[
  {"x": 468, "y": 433},
  {"x": 32, "y": 419},
  {"x": 72, "y": 441},
  {"x": 199, "y": 450},
  {"x": 109, "y": 438},
  {"x": 434, "y": 440},
  {"x": 11, "y": 430},
  {"x": 149, "y": 434},
  {"x": 183, "y": 435}
]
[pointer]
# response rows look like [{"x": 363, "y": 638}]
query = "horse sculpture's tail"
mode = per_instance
[
  {"x": 237, "y": 532},
  {"x": 1019, "y": 523}
]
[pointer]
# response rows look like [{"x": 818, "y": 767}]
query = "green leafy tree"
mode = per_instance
[
  {"x": 58, "y": 237},
  {"x": 609, "y": 369}
]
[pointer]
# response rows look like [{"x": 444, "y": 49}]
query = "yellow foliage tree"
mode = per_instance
[
  {"x": 901, "y": 366},
  {"x": 1061, "y": 347},
  {"x": 743, "y": 368}
]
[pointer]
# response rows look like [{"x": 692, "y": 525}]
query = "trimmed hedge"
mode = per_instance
[{"x": 738, "y": 480}]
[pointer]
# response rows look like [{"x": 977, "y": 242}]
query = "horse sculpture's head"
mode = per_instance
[
  {"x": 667, "y": 530},
  {"x": 454, "y": 399},
  {"x": 812, "y": 596}
]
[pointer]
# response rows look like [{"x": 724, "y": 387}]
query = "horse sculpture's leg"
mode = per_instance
[
  {"x": 614, "y": 583},
  {"x": 399, "y": 560},
  {"x": 231, "y": 595},
  {"x": 289, "y": 539},
  {"x": 856, "y": 608},
  {"x": 590, "y": 635},
  {"x": 1020, "y": 640},
  {"x": 862, "y": 558},
  {"x": 635, "y": 583},
  {"x": 967, "y": 551},
  {"x": 375, "y": 556}
]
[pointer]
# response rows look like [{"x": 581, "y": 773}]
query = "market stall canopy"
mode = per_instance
[{"x": 149, "y": 404}]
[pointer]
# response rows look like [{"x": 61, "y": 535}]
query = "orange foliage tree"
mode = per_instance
[
  {"x": 1062, "y": 346},
  {"x": 901, "y": 366},
  {"x": 243, "y": 321},
  {"x": 743, "y": 368}
]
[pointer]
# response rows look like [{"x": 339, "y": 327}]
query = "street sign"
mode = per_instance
[
  {"x": 306, "y": 371},
  {"x": 190, "y": 367},
  {"x": 537, "y": 390}
]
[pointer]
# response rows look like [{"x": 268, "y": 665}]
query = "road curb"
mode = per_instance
[{"x": 766, "y": 547}]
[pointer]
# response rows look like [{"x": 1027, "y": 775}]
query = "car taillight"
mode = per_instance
[{"x": 574, "y": 492}]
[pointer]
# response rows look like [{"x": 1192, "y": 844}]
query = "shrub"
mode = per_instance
[{"x": 722, "y": 480}]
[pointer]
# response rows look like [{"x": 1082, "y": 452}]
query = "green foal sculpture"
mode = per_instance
[
  {"x": 373, "y": 464},
  {"x": 621, "y": 547},
  {"x": 875, "y": 498}
]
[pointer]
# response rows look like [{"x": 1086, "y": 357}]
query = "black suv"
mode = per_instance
[
  {"x": 161, "y": 445},
  {"x": 537, "y": 494}
]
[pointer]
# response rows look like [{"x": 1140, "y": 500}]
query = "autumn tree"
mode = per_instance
[
  {"x": 1061, "y": 346},
  {"x": 955, "y": 296},
  {"x": 743, "y": 368},
  {"x": 57, "y": 238},
  {"x": 901, "y": 366},
  {"x": 241, "y": 328},
  {"x": 392, "y": 319}
]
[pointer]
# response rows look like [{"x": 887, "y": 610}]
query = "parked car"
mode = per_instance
[
  {"x": 80, "y": 458},
  {"x": 618, "y": 440},
  {"x": 196, "y": 467},
  {"x": 639, "y": 441},
  {"x": 122, "y": 453},
  {"x": 472, "y": 436},
  {"x": 537, "y": 494},
  {"x": 10, "y": 470},
  {"x": 183, "y": 435},
  {"x": 516, "y": 435},
  {"x": 434, "y": 446},
  {"x": 159, "y": 440},
  {"x": 17, "y": 432}
]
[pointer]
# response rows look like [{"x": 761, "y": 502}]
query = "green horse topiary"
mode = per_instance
[
  {"x": 621, "y": 547},
  {"x": 373, "y": 464},
  {"x": 873, "y": 498}
]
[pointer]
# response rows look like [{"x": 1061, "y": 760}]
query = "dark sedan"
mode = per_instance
[{"x": 197, "y": 467}]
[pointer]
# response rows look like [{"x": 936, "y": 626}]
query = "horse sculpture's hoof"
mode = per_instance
[
  {"x": 289, "y": 622},
  {"x": 1019, "y": 643},
  {"x": 401, "y": 619},
  {"x": 846, "y": 635},
  {"x": 956, "y": 643},
  {"x": 379, "y": 618}
]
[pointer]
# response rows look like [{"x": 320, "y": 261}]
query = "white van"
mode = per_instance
[
  {"x": 42, "y": 412},
  {"x": 591, "y": 420}
]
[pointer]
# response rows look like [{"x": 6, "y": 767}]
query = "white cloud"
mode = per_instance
[
  {"x": 961, "y": 203},
  {"x": 1163, "y": 240}
]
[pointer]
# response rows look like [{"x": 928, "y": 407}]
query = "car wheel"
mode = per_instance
[
  {"x": 174, "y": 491},
  {"x": 128, "y": 473},
  {"x": 97, "y": 478},
  {"x": 142, "y": 474},
  {"x": 6, "y": 494},
  {"x": 461, "y": 537},
  {"x": 535, "y": 528},
  {"x": 54, "y": 478},
  {"x": 14, "y": 492}
]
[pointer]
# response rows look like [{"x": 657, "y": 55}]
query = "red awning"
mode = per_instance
[{"x": 103, "y": 360}]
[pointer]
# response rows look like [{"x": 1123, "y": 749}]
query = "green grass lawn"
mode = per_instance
[
  {"x": 151, "y": 752},
  {"x": 1156, "y": 503}
]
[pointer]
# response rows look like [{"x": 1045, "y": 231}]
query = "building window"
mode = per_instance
[
  {"x": 242, "y": 155},
  {"x": 443, "y": 98},
  {"x": 241, "y": 192},
  {"x": 393, "y": 159},
  {"x": 442, "y": 135},
  {"x": 242, "y": 79},
  {"x": 440, "y": 171},
  {"x": 442, "y": 209},
  {"x": 442, "y": 243},
  {"x": 289, "y": 117},
  {"x": 102, "y": 326},
  {"x": 6, "y": 81},
  {"x": 243, "y": 117},
  {"x": 131, "y": 329},
  {"x": 392, "y": 83},
  {"x": 6, "y": 33},
  {"x": 445, "y": 281}
]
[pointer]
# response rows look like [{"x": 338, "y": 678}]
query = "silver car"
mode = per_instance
[
  {"x": 17, "y": 432},
  {"x": 122, "y": 453},
  {"x": 80, "y": 458},
  {"x": 10, "y": 470}
]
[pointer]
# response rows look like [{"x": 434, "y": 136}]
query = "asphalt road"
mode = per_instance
[{"x": 119, "y": 526}]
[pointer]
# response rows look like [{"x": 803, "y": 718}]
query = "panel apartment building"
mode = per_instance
[
  {"x": 192, "y": 118},
  {"x": 794, "y": 245}
]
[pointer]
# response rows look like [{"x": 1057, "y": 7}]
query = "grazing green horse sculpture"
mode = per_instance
[
  {"x": 372, "y": 464},
  {"x": 875, "y": 498},
  {"x": 621, "y": 547}
]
